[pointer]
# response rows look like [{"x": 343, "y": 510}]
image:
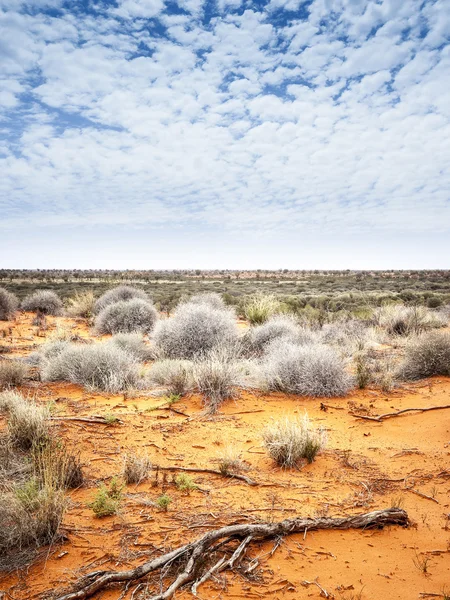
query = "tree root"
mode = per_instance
[
  {"x": 380, "y": 418},
  {"x": 195, "y": 556}
]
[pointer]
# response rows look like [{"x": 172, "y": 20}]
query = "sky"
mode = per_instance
[{"x": 225, "y": 134}]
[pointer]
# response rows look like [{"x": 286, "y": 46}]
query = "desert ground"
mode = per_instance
[{"x": 367, "y": 465}]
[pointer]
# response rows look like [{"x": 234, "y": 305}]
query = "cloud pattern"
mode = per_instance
[{"x": 278, "y": 115}]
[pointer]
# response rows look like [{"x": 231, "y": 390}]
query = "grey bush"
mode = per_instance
[
  {"x": 217, "y": 375},
  {"x": 133, "y": 343},
  {"x": 102, "y": 367},
  {"x": 175, "y": 375},
  {"x": 311, "y": 370},
  {"x": 121, "y": 293},
  {"x": 8, "y": 305},
  {"x": 126, "y": 317},
  {"x": 194, "y": 329},
  {"x": 406, "y": 320},
  {"x": 211, "y": 299},
  {"x": 45, "y": 301},
  {"x": 426, "y": 356},
  {"x": 47, "y": 351},
  {"x": 279, "y": 326}
]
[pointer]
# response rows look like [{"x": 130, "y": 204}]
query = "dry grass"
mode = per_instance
[
  {"x": 27, "y": 423},
  {"x": 81, "y": 305},
  {"x": 290, "y": 440},
  {"x": 136, "y": 468},
  {"x": 12, "y": 373},
  {"x": 8, "y": 305},
  {"x": 260, "y": 307},
  {"x": 121, "y": 293}
]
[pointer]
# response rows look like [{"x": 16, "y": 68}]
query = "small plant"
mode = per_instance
[
  {"x": 12, "y": 373},
  {"x": 289, "y": 440},
  {"x": 111, "y": 418},
  {"x": 45, "y": 301},
  {"x": 163, "y": 502},
  {"x": 397, "y": 502},
  {"x": 421, "y": 562},
  {"x": 229, "y": 462},
  {"x": 185, "y": 483},
  {"x": 107, "y": 500},
  {"x": 8, "y": 305},
  {"x": 136, "y": 468}
]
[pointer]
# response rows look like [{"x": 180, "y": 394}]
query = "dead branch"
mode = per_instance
[
  {"x": 194, "y": 555},
  {"x": 96, "y": 419},
  {"x": 211, "y": 471},
  {"x": 380, "y": 418}
]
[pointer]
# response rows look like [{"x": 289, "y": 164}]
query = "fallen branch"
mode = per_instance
[
  {"x": 380, "y": 418},
  {"x": 192, "y": 558},
  {"x": 210, "y": 471}
]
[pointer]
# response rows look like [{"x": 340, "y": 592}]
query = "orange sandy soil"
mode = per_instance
[{"x": 366, "y": 466}]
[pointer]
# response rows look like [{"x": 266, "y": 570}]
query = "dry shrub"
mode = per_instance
[
  {"x": 194, "y": 329},
  {"x": 44, "y": 301},
  {"x": 312, "y": 370},
  {"x": 99, "y": 367},
  {"x": 426, "y": 356},
  {"x": 279, "y": 326},
  {"x": 136, "y": 468},
  {"x": 122, "y": 293},
  {"x": 260, "y": 307},
  {"x": 407, "y": 320},
  {"x": 132, "y": 343},
  {"x": 8, "y": 305},
  {"x": 290, "y": 440},
  {"x": 126, "y": 317},
  {"x": 27, "y": 423},
  {"x": 12, "y": 373},
  {"x": 217, "y": 376},
  {"x": 47, "y": 351},
  {"x": 30, "y": 517},
  {"x": 175, "y": 375},
  {"x": 55, "y": 466},
  {"x": 8, "y": 399},
  {"x": 81, "y": 305},
  {"x": 211, "y": 299}
]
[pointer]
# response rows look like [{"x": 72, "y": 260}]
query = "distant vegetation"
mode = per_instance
[{"x": 311, "y": 293}]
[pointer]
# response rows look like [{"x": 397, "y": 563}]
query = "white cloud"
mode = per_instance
[{"x": 335, "y": 122}]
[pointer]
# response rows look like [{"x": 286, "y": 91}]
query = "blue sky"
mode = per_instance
[{"x": 225, "y": 133}]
